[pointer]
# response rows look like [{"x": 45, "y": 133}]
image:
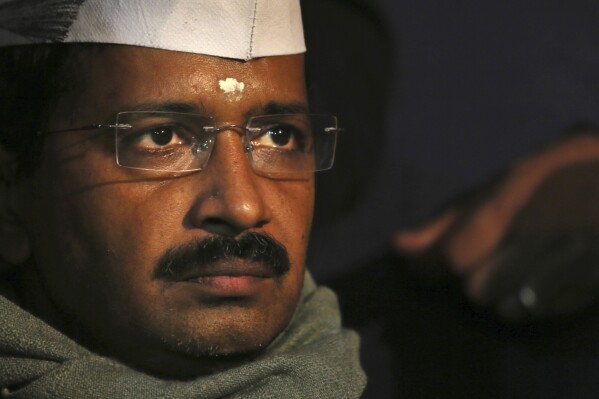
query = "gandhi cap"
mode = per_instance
[{"x": 241, "y": 29}]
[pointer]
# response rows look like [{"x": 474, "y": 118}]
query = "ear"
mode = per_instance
[
  {"x": 423, "y": 238},
  {"x": 14, "y": 240}
]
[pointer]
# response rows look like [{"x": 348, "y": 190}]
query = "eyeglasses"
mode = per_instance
[{"x": 278, "y": 146}]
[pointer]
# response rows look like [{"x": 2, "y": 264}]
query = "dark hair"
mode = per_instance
[{"x": 31, "y": 77}]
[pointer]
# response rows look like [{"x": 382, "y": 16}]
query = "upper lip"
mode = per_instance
[{"x": 234, "y": 267}]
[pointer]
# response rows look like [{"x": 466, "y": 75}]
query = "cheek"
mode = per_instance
[
  {"x": 134, "y": 222},
  {"x": 292, "y": 206},
  {"x": 102, "y": 225}
]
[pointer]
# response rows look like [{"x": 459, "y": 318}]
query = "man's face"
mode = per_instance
[{"x": 98, "y": 231}]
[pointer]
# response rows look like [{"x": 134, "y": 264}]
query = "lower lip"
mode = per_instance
[{"x": 230, "y": 286}]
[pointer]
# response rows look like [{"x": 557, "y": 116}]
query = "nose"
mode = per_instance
[{"x": 232, "y": 199}]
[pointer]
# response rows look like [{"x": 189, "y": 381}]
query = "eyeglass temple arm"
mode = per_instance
[{"x": 88, "y": 127}]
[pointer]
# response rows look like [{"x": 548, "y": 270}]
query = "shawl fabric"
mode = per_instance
[{"x": 313, "y": 358}]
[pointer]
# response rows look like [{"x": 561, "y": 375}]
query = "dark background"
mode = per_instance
[{"x": 437, "y": 97}]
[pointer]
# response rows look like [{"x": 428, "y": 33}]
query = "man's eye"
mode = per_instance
[
  {"x": 159, "y": 137},
  {"x": 286, "y": 137}
]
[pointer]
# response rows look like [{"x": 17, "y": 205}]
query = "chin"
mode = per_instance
[
  {"x": 219, "y": 348},
  {"x": 191, "y": 359},
  {"x": 203, "y": 346}
]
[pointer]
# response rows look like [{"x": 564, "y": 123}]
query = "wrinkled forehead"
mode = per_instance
[{"x": 239, "y": 29}]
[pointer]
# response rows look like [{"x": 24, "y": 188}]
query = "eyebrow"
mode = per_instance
[
  {"x": 276, "y": 107},
  {"x": 271, "y": 108},
  {"x": 171, "y": 107}
]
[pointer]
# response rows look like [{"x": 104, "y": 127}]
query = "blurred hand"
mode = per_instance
[{"x": 529, "y": 247}]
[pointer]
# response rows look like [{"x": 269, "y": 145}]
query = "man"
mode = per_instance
[{"x": 156, "y": 201}]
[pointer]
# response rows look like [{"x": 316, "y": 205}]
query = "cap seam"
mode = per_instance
[{"x": 250, "y": 52}]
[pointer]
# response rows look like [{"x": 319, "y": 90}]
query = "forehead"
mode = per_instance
[{"x": 121, "y": 78}]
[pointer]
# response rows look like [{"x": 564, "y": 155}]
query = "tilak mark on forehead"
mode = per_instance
[{"x": 232, "y": 88}]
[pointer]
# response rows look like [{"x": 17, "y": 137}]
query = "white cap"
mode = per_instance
[{"x": 241, "y": 29}]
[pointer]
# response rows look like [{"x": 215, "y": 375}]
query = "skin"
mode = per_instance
[{"x": 90, "y": 232}]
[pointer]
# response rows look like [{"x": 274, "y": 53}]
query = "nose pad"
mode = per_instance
[
  {"x": 203, "y": 148},
  {"x": 199, "y": 147},
  {"x": 201, "y": 151},
  {"x": 248, "y": 147}
]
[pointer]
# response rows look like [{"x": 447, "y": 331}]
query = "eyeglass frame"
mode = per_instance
[{"x": 209, "y": 129}]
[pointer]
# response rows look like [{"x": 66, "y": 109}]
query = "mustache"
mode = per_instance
[{"x": 197, "y": 256}]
